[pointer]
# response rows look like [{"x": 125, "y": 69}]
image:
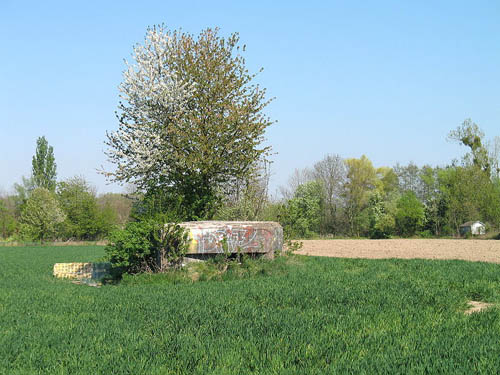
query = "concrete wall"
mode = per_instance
[{"x": 208, "y": 237}]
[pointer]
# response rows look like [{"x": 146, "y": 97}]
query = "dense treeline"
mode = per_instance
[
  {"x": 43, "y": 209},
  {"x": 351, "y": 197},
  {"x": 384, "y": 202},
  {"x": 73, "y": 211}
]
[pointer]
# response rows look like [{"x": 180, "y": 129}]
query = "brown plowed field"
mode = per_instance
[{"x": 474, "y": 250}]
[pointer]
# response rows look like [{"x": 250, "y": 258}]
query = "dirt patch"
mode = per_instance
[
  {"x": 473, "y": 250},
  {"x": 476, "y": 306}
]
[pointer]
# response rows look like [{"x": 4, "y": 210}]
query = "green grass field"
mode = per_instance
[{"x": 314, "y": 316}]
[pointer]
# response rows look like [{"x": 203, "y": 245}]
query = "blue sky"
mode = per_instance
[{"x": 388, "y": 79}]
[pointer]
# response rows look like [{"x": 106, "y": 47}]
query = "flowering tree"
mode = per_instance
[
  {"x": 190, "y": 120},
  {"x": 41, "y": 216}
]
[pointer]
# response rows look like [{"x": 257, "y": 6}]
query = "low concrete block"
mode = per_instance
[
  {"x": 81, "y": 271},
  {"x": 211, "y": 237}
]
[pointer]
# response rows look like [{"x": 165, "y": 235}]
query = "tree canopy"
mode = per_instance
[
  {"x": 190, "y": 120},
  {"x": 44, "y": 165}
]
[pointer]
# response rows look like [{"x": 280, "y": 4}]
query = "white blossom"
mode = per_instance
[{"x": 151, "y": 98}]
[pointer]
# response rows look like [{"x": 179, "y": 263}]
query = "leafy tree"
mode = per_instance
[
  {"x": 409, "y": 178},
  {"x": 468, "y": 194},
  {"x": 361, "y": 180},
  {"x": 302, "y": 213},
  {"x": 41, "y": 215},
  {"x": 381, "y": 214},
  {"x": 433, "y": 200},
  {"x": 44, "y": 166},
  {"x": 247, "y": 198},
  {"x": 23, "y": 191},
  {"x": 332, "y": 173},
  {"x": 297, "y": 178},
  {"x": 8, "y": 223},
  {"x": 119, "y": 204},
  {"x": 410, "y": 214},
  {"x": 469, "y": 134},
  {"x": 190, "y": 120},
  {"x": 85, "y": 220},
  {"x": 387, "y": 180}
]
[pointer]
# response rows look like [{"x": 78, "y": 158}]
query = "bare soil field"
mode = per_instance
[{"x": 473, "y": 250}]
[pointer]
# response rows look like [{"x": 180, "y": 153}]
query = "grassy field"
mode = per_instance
[{"x": 311, "y": 316}]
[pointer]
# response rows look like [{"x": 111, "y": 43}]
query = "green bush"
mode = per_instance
[
  {"x": 8, "y": 223},
  {"x": 410, "y": 214},
  {"x": 146, "y": 246},
  {"x": 41, "y": 216},
  {"x": 301, "y": 215},
  {"x": 425, "y": 234},
  {"x": 85, "y": 220}
]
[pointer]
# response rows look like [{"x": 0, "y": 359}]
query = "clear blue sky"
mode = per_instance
[{"x": 388, "y": 79}]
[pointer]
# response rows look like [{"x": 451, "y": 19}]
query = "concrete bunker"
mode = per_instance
[
  {"x": 250, "y": 237},
  {"x": 206, "y": 239}
]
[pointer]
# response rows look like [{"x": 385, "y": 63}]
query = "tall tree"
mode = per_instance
[
  {"x": 409, "y": 178},
  {"x": 44, "y": 166},
  {"x": 302, "y": 214},
  {"x": 469, "y": 134},
  {"x": 190, "y": 120},
  {"x": 297, "y": 178},
  {"x": 410, "y": 214},
  {"x": 332, "y": 173},
  {"x": 361, "y": 179}
]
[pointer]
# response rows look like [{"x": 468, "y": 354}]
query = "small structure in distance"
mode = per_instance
[{"x": 474, "y": 228}]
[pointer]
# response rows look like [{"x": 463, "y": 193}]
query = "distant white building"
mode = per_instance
[{"x": 473, "y": 227}]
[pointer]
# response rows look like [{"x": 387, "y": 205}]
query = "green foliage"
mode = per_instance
[
  {"x": 312, "y": 316},
  {"x": 85, "y": 220},
  {"x": 8, "y": 223},
  {"x": 410, "y": 214},
  {"x": 361, "y": 180},
  {"x": 301, "y": 215},
  {"x": 131, "y": 249},
  {"x": 200, "y": 120},
  {"x": 23, "y": 191},
  {"x": 187, "y": 201},
  {"x": 292, "y": 246},
  {"x": 171, "y": 242},
  {"x": 41, "y": 217},
  {"x": 146, "y": 246},
  {"x": 468, "y": 194},
  {"x": 119, "y": 205},
  {"x": 44, "y": 165},
  {"x": 469, "y": 134},
  {"x": 382, "y": 222}
]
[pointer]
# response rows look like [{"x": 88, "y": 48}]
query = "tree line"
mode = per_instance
[
  {"x": 43, "y": 209},
  {"x": 351, "y": 197}
]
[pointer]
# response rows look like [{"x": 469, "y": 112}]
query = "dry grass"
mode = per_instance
[{"x": 477, "y": 306}]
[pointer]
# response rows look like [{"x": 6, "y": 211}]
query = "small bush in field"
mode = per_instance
[{"x": 146, "y": 246}]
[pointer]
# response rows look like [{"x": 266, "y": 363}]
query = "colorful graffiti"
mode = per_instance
[{"x": 247, "y": 237}]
